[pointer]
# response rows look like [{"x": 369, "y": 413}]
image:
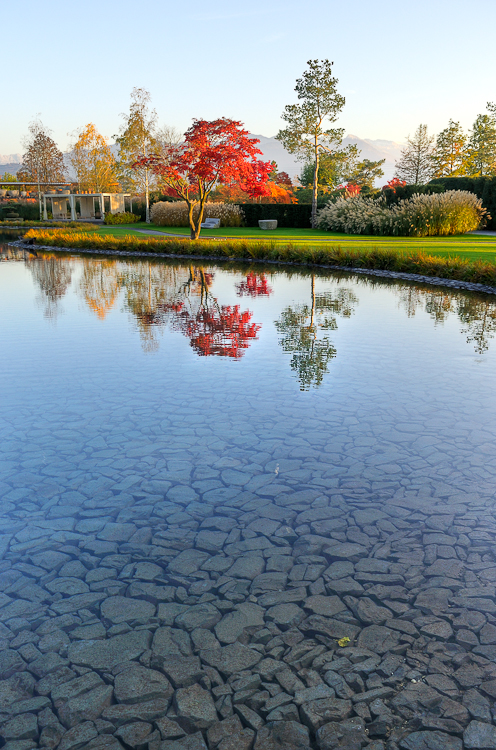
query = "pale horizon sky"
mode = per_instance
[{"x": 397, "y": 66}]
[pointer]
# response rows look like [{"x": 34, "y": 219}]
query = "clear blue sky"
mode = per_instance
[{"x": 398, "y": 64}]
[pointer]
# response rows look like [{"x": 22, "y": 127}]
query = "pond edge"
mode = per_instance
[{"x": 433, "y": 280}]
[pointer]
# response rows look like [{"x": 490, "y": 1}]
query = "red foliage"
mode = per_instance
[
  {"x": 212, "y": 152},
  {"x": 223, "y": 331},
  {"x": 255, "y": 286},
  {"x": 350, "y": 188},
  {"x": 235, "y": 194},
  {"x": 282, "y": 178},
  {"x": 393, "y": 184}
]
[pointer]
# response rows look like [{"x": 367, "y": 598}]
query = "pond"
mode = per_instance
[{"x": 243, "y": 506}]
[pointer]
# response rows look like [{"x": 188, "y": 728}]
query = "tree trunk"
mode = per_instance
[
  {"x": 195, "y": 232},
  {"x": 196, "y": 226},
  {"x": 147, "y": 197},
  {"x": 315, "y": 185}
]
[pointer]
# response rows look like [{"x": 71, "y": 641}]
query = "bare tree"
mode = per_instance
[{"x": 415, "y": 165}]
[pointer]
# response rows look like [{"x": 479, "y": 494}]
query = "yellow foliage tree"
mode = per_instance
[{"x": 93, "y": 162}]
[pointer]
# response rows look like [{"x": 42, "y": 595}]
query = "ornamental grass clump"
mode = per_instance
[
  {"x": 439, "y": 214},
  {"x": 175, "y": 214}
]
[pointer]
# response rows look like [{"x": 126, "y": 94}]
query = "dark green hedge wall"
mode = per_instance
[
  {"x": 27, "y": 211},
  {"x": 483, "y": 187},
  {"x": 296, "y": 215},
  {"x": 405, "y": 192}
]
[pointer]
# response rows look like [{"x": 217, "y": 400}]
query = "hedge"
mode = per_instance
[
  {"x": 26, "y": 211},
  {"x": 483, "y": 187},
  {"x": 408, "y": 191},
  {"x": 296, "y": 215}
]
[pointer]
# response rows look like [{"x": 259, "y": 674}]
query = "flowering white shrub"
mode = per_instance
[
  {"x": 175, "y": 214},
  {"x": 452, "y": 212}
]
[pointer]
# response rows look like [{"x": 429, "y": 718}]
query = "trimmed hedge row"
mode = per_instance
[
  {"x": 393, "y": 197},
  {"x": 295, "y": 215},
  {"x": 483, "y": 187},
  {"x": 26, "y": 211}
]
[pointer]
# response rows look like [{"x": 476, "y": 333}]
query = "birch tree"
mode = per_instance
[{"x": 137, "y": 140}]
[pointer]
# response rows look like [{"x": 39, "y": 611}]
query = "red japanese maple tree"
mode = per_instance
[{"x": 212, "y": 153}]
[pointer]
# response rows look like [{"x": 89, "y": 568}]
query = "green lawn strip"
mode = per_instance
[
  {"x": 305, "y": 236},
  {"x": 469, "y": 247},
  {"x": 468, "y": 264}
]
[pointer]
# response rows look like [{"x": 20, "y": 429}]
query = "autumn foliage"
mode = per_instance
[
  {"x": 212, "y": 153},
  {"x": 223, "y": 330},
  {"x": 393, "y": 184},
  {"x": 255, "y": 285}
]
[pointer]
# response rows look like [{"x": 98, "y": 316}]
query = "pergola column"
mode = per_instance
[{"x": 72, "y": 204}]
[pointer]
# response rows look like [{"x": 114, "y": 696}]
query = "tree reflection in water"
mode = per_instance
[
  {"x": 300, "y": 325},
  {"x": 159, "y": 295},
  {"x": 53, "y": 279},
  {"x": 478, "y": 315},
  {"x": 99, "y": 285},
  {"x": 255, "y": 285},
  {"x": 213, "y": 329}
]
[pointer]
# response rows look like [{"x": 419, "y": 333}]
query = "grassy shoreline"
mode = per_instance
[{"x": 386, "y": 258}]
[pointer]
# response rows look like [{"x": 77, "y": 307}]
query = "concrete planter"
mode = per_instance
[{"x": 267, "y": 223}]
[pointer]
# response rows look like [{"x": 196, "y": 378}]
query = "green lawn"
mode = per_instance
[{"x": 471, "y": 247}]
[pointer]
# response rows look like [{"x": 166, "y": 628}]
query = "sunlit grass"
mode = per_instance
[
  {"x": 385, "y": 256},
  {"x": 467, "y": 246}
]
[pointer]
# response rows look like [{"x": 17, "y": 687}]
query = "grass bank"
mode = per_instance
[
  {"x": 469, "y": 246},
  {"x": 387, "y": 258}
]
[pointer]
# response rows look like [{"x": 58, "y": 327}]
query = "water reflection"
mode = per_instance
[
  {"x": 160, "y": 296},
  {"x": 477, "y": 315},
  {"x": 212, "y": 328},
  {"x": 53, "y": 279},
  {"x": 300, "y": 327},
  {"x": 255, "y": 285}
]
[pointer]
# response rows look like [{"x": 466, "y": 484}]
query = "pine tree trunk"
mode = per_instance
[{"x": 315, "y": 186}]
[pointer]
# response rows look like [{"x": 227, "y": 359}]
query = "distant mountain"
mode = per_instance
[
  {"x": 370, "y": 149},
  {"x": 10, "y": 159},
  {"x": 11, "y": 167}
]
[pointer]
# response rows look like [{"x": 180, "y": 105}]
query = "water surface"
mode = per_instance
[{"x": 225, "y": 451}]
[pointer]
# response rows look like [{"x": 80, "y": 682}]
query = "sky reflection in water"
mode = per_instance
[{"x": 394, "y": 381}]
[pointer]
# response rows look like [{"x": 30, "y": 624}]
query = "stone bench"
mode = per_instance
[
  {"x": 211, "y": 224},
  {"x": 267, "y": 223}
]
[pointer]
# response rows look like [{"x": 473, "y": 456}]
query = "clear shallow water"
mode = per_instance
[{"x": 156, "y": 409}]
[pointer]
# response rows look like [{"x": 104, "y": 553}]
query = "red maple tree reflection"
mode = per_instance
[
  {"x": 256, "y": 285},
  {"x": 213, "y": 329},
  {"x": 223, "y": 330}
]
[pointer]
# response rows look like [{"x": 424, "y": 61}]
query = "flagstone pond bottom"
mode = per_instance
[{"x": 243, "y": 509}]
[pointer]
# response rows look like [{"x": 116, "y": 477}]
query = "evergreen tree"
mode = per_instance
[
  {"x": 415, "y": 164},
  {"x": 449, "y": 157},
  {"x": 307, "y": 133},
  {"x": 365, "y": 173},
  {"x": 482, "y": 147},
  {"x": 333, "y": 168}
]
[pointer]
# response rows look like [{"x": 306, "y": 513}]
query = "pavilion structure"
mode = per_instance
[{"x": 62, "y": 200}]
